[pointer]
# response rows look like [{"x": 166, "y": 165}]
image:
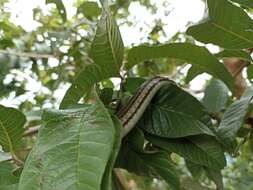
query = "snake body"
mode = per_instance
[{"x": 131, "y": 113}]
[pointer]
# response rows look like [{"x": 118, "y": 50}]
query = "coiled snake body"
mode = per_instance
[{"x": 131, "y": 113}]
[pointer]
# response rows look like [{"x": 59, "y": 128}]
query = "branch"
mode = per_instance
[
  {"x": 28, "y": 54},
  {"x": 17, "y": 160},
  {"x": 31, "y": 131}
]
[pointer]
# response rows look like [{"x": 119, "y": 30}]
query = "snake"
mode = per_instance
[{"x": 130, "y": 113}]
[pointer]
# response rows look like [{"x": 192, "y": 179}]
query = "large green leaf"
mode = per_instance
[
  {"x": 151, "y": 164},
  {"x": 216, "y": 177},
  {"x": 197, "y": 172},
  {"x": 107, "y": 178},
  {"x": 9, "y": 187},
  {"x": 174, "y": 113},
  {"x": 234, "y": 54},
  {"x": 11, "y": 128},
  {"x": 163, "y": 166},
  {"x": 135, "y": 159},
  {"x": 198, "y": 56},
  {"x": 60, "y": 6},
  {"x": 233, "y": 119},
  {"x": 83, "y": 83},
  {"x": 246, "y": 3},
  {"x": 202, "y": 150},
  {"x": 72, "y": 150},
  {"x": 107, "y": 53},
  {"x": 107, "y": 47},
  {"x": 227, "y": 26},
  {"x": 216, "y": 96},
  {"x": 7, "y": 179}
]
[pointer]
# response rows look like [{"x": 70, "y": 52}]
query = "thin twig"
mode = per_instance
[
  {"x": 31, "y": 131},
  {"x": 17, "y": 160},
  {"x": 28, "y": 54}
]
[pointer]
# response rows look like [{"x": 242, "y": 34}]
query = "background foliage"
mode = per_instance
[{"x": 57, "y": 64}]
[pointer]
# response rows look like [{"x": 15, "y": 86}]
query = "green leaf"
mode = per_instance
[
  {"x": 195, "y": 169},
  {"x": 216, "y": 177},
  {"x": 245, "y": 3},
  {"x": 107, "y": 47},
  {"x": 133, "y": 83},
  {"x": 198, "y": 56},
  {"x": 250, "y": 72},
  {"x": 89, "y": 9},
  {"x": 216, "y": 96},
  {"x": 234, "y": 54},
  {"x": 72, "y": 150},
  {"x": 107, "y": 53},
  {"x": 227, "y": 26},
  {"x": 83, "y": 83},
  {"x": 232, "y": 121},
  {"x": 60, "y": 6},
  {"x": 6, "y": 175},
  {"x": 11, "y": 128},
  {"x": 174, "y": 113},
  {"x": 202, "y": 150},
  {"x": 9, "y": 187},
  {"x": 192, "y": 73},
  {"x": 135, "y": 158},
  {"x": 107, "y": 179},
  {"x": 6, "y": 42},
  {"x": 106, "y": 95},
  {"x": 161, "y": 164},
  {"x": 150, "y": 164}
]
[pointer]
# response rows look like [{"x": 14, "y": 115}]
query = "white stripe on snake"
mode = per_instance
[{"x": 131, "y": 113}]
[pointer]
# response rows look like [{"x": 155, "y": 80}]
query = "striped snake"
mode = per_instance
[{"x": 131, "y": 113}]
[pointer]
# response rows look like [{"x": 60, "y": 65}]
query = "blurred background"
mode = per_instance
[
  {"x": 59, "y": 42},
  {"x": 43, "y": 44}
]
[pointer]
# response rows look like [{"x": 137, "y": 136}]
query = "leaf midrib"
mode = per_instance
[
  {"x": 176, "y": 111},
  {"x": 229, "y": 31},
  {"x": 7, "y": 136},
  {"x": 110, "y": 39},
  {"x": 203, "y": 150}
]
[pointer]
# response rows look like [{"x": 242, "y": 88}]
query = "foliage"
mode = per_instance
[{"x": 62, "y": 130}]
